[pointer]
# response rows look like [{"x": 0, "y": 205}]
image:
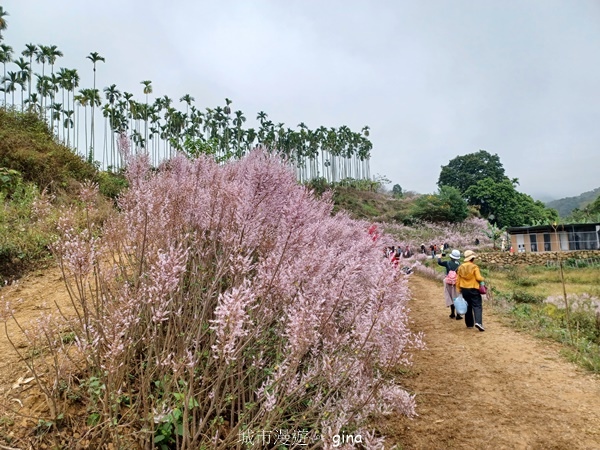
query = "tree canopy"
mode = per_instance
[
  {"x": 504, "y": 206},
  {"x": 590, "y": 213},
  {"x": 464, "y": 171},
  {"x": 445, "y": 206}
]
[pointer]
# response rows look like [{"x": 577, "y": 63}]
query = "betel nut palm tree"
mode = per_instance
[
  {"x": 51, "y": 53},
  {"x": 333, "y": 153},
  {"x": 147, "y": 90},
  {"x": 29, "y": 52},
  {"x": 94, "y": 57},
  {"x": 23, "y": 74},
  {"x": 5, "y": 57},
  {"x": 3, "y": 22}
]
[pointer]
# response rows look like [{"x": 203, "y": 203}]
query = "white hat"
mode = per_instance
[{"x": 455, "y": 254}]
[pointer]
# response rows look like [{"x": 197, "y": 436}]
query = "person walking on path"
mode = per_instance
[
  {"x": 450, "y": 291},
  {"x": 467, "y": 282}
]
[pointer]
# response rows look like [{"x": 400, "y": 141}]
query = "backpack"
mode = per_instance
[{"x": 450, "y": 278}]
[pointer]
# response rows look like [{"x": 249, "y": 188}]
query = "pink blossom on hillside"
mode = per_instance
[
  {"x": 234, "y": 289},
  {"x": 461, "y": 236}
]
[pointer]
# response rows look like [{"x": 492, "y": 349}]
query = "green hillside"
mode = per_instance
[
  {"x": 566, "y": 205},
  {"x": 40, "y": 181}
]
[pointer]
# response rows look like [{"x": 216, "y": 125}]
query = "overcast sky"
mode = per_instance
[{"x": 433, "y": 79}]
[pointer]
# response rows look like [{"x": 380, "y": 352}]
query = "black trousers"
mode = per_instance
[{"x": 474, "y": 307}]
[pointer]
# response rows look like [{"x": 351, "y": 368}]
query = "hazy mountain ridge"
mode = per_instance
[{"x": 566, "y": 205}]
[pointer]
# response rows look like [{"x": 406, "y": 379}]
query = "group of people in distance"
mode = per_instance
[
  {"x": 464, "y": 279},
  {"x": 434, "y": 248},
  {"x": 395, "y": 252}
]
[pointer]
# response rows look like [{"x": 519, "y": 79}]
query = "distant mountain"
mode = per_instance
[
  {"x": 543, "y": 198},
  {"x": 564, "y": 206}
]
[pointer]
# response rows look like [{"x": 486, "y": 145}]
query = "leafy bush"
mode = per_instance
[
  {"x": 111, "y": 184},
  {"x": 526, "y": 297},
  {"x": 236, "y": 304},
  {"x": 28, "y": 224},
  {"x": 515, "y": 276},
  {"x": 24, "y": 238},
  {"x": 318, "y": 185},
  {"x": 445, "y": 206},
  {"x": 10, "y": 180}
]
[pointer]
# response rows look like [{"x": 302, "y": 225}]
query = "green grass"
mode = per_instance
[
  {"x": 24, "y": 241},
  {"x": 519, "y": 294},
  {"x": 37, "y": 171},
  {"x": 29, "y": 147},
  {"x": 545, "y": 281}
]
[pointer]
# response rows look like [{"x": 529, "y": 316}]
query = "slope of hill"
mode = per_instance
[
  {"x": 28, "y": 146},
  {"x": 566, "y": 205},
  {"x": 369, "y": 205},
  {"x": 38, "y": 177}
]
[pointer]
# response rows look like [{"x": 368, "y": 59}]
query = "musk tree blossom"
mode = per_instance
[
  {"x": 236, "y": 289},
  {"x": 231, "y": 319}
]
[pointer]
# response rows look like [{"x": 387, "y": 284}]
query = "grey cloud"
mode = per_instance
[{"x": 433, "y": 79}]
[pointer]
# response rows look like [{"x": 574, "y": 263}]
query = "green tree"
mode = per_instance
[
  {"x": 504, "y": 206},
  {"x": 10, "y": 82},
  {"x": 397, "y": 190},
  {"x": 463, "y": 172},
  {"x": 445, "y": 206},
  {"x": 494, "y": 233},
  {"x": 594, "y": 207}
]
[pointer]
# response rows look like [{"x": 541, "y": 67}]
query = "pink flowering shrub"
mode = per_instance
[
  {"x": 224, "y": 301},
  {"x": 429, "y": 272},
  {"x": 458, "y": 235}
]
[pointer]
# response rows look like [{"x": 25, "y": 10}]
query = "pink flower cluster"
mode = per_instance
[
  {"x": 229, "y": 292},
  {"x": 461, "y": 236}
]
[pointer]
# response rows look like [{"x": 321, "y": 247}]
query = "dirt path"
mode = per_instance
[
  {"x": 498, "y": 389},
  {"x": 31, "y": 298}
]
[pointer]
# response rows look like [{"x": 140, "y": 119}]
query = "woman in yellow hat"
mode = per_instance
[{"x": 468, "y": 279}]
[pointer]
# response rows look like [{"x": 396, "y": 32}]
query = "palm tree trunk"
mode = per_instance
[
  {"x": 86, "y": 136},
  {"x": 4, "y": 79}
]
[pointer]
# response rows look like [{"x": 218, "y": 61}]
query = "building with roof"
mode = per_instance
[{"x": 554, "y": 238}]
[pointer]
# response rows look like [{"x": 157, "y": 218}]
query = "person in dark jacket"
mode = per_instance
[{"x": 450, "y": 291}]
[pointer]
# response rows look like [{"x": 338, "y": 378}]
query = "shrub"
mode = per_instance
[
  {"x": 319, "y": 185},
  {"x": 526, "y": 297},
  {"x": 236, "y": 303},
  {"x": 111, "y": 184},
  {"x": 445, "y": 206},
  {"x": 24, "y": 237},
  {"x": 10, "y": 180}
]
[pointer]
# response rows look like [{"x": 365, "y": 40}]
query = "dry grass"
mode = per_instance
[{"x": 545, "y": 281}]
